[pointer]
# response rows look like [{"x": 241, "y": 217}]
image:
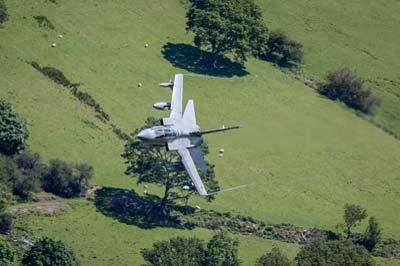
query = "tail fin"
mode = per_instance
[{"x": 189, "y": 114}]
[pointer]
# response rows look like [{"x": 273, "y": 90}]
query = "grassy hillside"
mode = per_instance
[
  {"x": 306, "y": 155},
  {"x": 361, "y": 35}
]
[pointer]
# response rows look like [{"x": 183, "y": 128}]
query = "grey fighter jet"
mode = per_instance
[{"x": 181, "y": 133}]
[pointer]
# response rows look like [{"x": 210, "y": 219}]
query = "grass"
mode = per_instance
[
  {"x": 360, "y": 35},
  {"x": 307, "y": 156}
]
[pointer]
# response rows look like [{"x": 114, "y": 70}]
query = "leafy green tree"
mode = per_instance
[
  {"x": 353, "y": 215},
  {"x": 333, "y": 253},
  {"x": 228, "y": 26},
  {"x": 7, "y": 253},
  {"x": 284, "y": 50},
  {"x": 344, "y": 85},
  {"x": 49, "y": 252},
  {"x": 273, "y": 258},
  {"x": 176, "y": 251},
  {"x": 3, "y": 12},
  {"x": 66, "y": 179},
  {"x": 222, "y": 251},
  {"x": 372, "y": 234},
  {"x": 13, "y": 130},
  {"x": 149, "y": 163}
]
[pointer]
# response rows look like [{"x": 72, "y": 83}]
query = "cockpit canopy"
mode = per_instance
[{"x": 162, "y": 131}]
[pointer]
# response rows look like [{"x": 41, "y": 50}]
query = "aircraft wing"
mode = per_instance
[
  {"x": 192, "y": 171},
  {"x": 176, "y": 102}
]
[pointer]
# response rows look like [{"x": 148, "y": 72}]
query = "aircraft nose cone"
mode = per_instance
[{"x": 145, "y": 134}]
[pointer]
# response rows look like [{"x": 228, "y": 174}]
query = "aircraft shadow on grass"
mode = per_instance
[
  {"x": 130, "y": 208},
  {"x": 193, "y": 59}
]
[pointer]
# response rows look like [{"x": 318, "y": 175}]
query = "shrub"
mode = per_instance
[
  {"x": 333, "y": 253},
  {"x": 283, "y": 50},
  {"x": 66, "y": 179},
  {"x": 44, "y": 22},
  {"x": 7, "y": 252},
  {"x": 13, "y": 130},
  {"x": 344, "y": 85},
  {"x": 6, "y": 222},
  {"x": 3, "y": 12},
  {"x": 21, "y": 185},
  {"x": 372, "y": 234},
  {"x": 49, "y": 252}
]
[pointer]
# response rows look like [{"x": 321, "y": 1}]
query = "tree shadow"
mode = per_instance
[
  {"x": 193, "y": 59},
  {"x": 130, "y": 208},
  {"x": 278, "y": 61}
]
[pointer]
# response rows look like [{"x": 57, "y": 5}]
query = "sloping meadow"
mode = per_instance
[{"x": 304, "y": 156}]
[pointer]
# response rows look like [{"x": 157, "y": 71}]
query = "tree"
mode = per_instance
[
  {"x": 7, "y": 253},
  {"x": 333, "y": 253},
  {"x": 344, "y": 85},
  {"x": 372, "y": 234},
  {"x": 149, "y": 163},
  {"x": 228, "y": 26},
  {"x": 176, "y": 251},
  {"x": 66, "y": 179},
  {"x": 273, "y": 258},
  {"x": 49, "y": 252},
  {"x": 13, "y": 130},
  {"x": 353, "y": 215},
  {"x": 283, "y": 50},
  {"x": 222, "y": 251}
]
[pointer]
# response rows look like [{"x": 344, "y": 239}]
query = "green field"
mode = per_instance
[
  {"x": 307, "y": 156},
  {"x": 362, "y": 35}
]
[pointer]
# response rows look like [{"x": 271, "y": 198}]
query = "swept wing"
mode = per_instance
[
  {"x": 192, "y": 171},
  {"x": 176, "y": 101}
]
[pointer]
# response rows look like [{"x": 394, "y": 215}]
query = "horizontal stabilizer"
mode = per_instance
[{"x": 230, "y": 189}]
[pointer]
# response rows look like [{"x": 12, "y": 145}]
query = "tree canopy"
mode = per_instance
[
  {"x": 228, "y": 26},
  {"x": 148, "y": 163},
  {"x": 13, "y": 130},
  {"x": 176, "y": 251},
  {"x": 273, "y": 258},
  {"x": 50, "y": 252},
  {"x": 333, "y": 253},
  {"x": 353, "y": 215},
  {"x": 221, "y": 250}
]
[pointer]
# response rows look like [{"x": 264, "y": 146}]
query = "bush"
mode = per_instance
[
  {"x": 6, "y": 222},
  {"x": 372, "y": 234},
  {"x": 344, "y": 85},
  {"x": 3, "y": 12},
  {"x": 273, "y": 258},
  {"x": 7, "y": 253},
  {"x": 49, "y": 252},
  {"x": 21, "y": 184},
  {"x": 333, "y": 253},
  {"x": 65, "y": 179},
  {"x": 44, "y": 22},
  {"x": 283, "y": 50},
  {"x": 13, "y": 130}
]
